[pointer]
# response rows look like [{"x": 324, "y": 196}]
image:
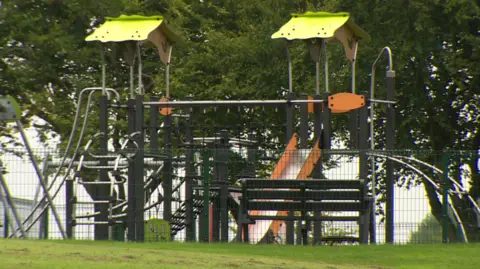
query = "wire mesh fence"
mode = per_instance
[{"x": 401, "y": 197}]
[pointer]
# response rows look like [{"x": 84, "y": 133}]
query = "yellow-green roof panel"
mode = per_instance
[
  {"x": 129, "y": 28},
  {"x": 312, "y": 25}
]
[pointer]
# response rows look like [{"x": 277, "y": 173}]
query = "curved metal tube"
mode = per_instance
[
  {"x": 432, "y": 182},
  {"x": 69, "y": 144}
]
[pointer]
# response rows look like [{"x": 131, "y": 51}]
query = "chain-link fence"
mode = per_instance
[{"x": 416, "y": 196}]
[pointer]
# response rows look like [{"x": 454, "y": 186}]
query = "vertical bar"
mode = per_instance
[
  {"x": 303, "y": 122},
  {"x": 251, "y": 157},
  {"x": 131, "y": 177},
  {"x": 290, "y": 225},
  {"x": 353, "y": 128},
  {"x": 301, "y": 224},
  {"x": 102, "y": 191},
  {"x": 326, "y": 124},
  {"x": 154, "y": 126},
  {"x": 445, "y": 189},
  {"x": 139, "y": 171},
  {"x": 69, "y": 207},
  {"x": 215, "y": 220},
  {"x": 7, "y": 201},
  {"x": 390, "y": 140},
  {"x": 317, "y": 170},
  {"x": 44, "y": 220},
  {"x": 205, "y": 220},
  {"x": 189, "y": 173},
  {"x": 363, "y": 170},
  {"x": 167, "y": 169},
  {"x": 223, "y": 180}
]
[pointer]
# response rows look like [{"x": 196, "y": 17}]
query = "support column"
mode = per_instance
[
  {"x": 317, "y": 170},
  {"x": 390, "y": 140},
  {"x": 205, "y": 216},
  {"x": 154, "y": 127},
  {"x": 102, "y": 192},
  {"x": 222, "y": 174},
  {"x": 70, "y": 223},
  {"x": 167, "y": 169},
  {"x": 189, "y": 174},
  {"x": 302, "y": 228},
  {"x": 139, "y": 171},
  {"x": 131, "y": 203},
  {"x": 290, "y": 229},
  {"x": 363, "y": 169}
]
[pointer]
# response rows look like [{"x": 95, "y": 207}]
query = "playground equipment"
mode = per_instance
[{"x": 122, "y": 184}]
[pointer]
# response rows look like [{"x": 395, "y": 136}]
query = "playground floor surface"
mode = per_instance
[{"x": 16, "y": 254}]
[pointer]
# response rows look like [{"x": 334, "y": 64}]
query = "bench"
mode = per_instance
[{"x": 304, "y": 196}]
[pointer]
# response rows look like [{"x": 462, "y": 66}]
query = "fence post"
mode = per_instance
[
  {"x": 205, "y": 225},
  {"x": 445, "y": 189}
]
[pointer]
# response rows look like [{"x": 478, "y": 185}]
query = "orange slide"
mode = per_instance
[{"x": 298, "y": 163}]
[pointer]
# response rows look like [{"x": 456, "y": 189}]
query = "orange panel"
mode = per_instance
[
  {"x": 305, "y": 172},
  {"x": 311, "y": 107},
  {"x": 164, "y": 110},
  {"x": 344, "y": 102}
]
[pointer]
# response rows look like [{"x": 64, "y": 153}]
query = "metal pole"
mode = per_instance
[
  {"x": 7, "y": 221},
  {"x": 131, "y": 184},
  {"x": 7, "y": 201},
  {"x": 204, "y": 236},
  {"x": 363, "y": 147},
  {"x": 41, "y": 179},
  {"x": 132, "y": 84},
  {"x": 189, "y": 174},
  {"x": 167, "y": 72},
  {"x": 229, "y": 102},
  {"x": 139, "y": 171},
  {"x": 102, "y": 192},
  {"x": 326, "y": 65},
  {"x": 390, "y": 140},
  {"x": 290, "y": 69},
  {"x": 140, "y": 84},
  {"x": 372, "y": 130}
]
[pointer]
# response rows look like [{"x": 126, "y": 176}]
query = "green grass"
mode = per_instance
[{"x": 16, "y": 254}]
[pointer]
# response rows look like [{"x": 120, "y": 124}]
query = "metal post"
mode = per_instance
[
  {"x": 301, "y": 226},
  {"x": 326, "y": 124},
  {"x": 222, "y": 174},
  {"x": 205, "y": 220},
  {"x": 139, "y": 171},
  {"x": 131, "y": 204},
  {"x": 445, "y": 189},
  {"x": 290, "y": 69},
  {"x": 167, "y": 169},
  {"x": 102, "y": 231},
  {"x": 154, "y": 127},
  {"x": 189, "y": 173},
  {"x": 290, "y": 225},
  {"x": 363, "y": 167},
  {"x": 390, "y": 140},
  {"x": 69, "y": 198},
  {"x": 317, "y": 170},
  {"x": 7, "y": 201}
]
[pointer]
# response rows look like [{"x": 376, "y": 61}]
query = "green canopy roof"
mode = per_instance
[
  {"x": 318, "y": 25},
  {"x": 131, "y": 28}
]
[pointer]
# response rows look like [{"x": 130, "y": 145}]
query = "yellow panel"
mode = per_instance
[
  {"x": 312, "y": 25},
  {"x": 125, "y": 28}
]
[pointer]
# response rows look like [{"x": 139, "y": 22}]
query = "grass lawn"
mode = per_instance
[{"x": 16, "y": 254}]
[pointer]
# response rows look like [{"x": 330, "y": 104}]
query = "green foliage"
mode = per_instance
[{"x": 428, "y": 231}]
